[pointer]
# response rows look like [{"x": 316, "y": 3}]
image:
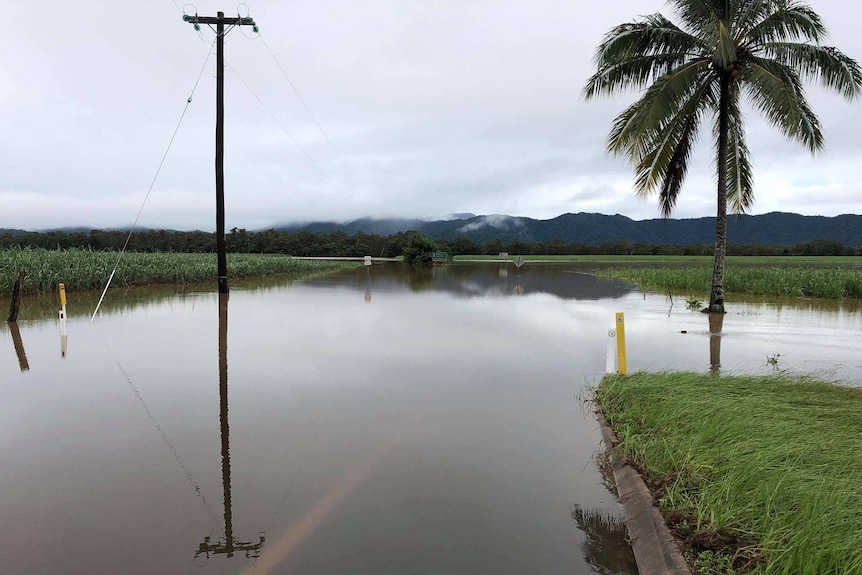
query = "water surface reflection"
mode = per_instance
[{"x": 381, "y": 421}]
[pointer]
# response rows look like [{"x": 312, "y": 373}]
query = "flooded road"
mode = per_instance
[{"x": 382, "y": 421}]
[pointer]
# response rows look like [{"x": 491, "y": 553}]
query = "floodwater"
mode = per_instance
[{"x": 376, "y": 420}]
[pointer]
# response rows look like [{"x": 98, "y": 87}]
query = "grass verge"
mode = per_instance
[
  {"x": 86, "y": 269},
  {"x": 755, "y": 474},
  {"x": 706, "y": 261}
]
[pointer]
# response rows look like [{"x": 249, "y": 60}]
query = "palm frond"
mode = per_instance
[
  {"x": 789, "y": 21},
  {"x": 640, "y": 125},
  {"x": 725, "y": 49},
  {"x": 654, "y": 34},
  {"x": 696, "y": 13},
  {"x": 776, "y": 91},
  {"x": 632, "y": 74},
  {"x": 739, "y": 181},
  {"x": 828, "y": 65},
  {"x": 748, "y": 13},
  {"x": 621, "y": 139},
  {"x": 677, "y": 167},
  {"x": 665, "y": 161}
]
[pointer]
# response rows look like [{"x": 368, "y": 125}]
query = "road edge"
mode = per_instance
[{"x": 655, "y": 549}]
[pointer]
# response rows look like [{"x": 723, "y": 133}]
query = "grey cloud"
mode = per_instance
[{"x": 434, "y": 108}]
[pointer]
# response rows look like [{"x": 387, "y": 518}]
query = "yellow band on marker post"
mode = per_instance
[
  {"x": 62, "y": 295},
  {"x": 621, "y": 343}
]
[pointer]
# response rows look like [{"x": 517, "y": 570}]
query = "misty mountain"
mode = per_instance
[{"x": 776, "y": 228}]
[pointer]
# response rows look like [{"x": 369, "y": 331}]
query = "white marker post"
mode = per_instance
[
  {"x": 64, "y": 338},
  {"x": 611, "y": 361}
]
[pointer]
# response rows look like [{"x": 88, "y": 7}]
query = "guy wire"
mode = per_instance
[
  {"x": 310, "y": 113},
  {"x": 153, "y": 183}
]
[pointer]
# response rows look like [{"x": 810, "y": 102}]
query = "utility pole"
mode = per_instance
[{"x": 220, "y": 22}]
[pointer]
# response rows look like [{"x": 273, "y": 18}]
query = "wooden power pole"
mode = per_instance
[{"x": 220, "y": 22}]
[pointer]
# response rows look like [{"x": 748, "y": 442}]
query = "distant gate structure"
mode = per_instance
[{"x": 439, "y": 257}]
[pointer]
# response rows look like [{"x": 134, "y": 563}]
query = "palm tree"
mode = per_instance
[{"x": 722, "y": 50}]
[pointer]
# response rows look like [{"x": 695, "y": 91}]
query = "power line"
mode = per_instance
[
  {"x": 288, "y": 133},
  {"x": 304, "y": 104},
  {"x": 280, "y": 125},
  {"x": 310, "y": 113}
]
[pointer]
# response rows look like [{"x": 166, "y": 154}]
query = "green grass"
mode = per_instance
[
  {"x": 588, "y": 259},
  {"x": 766, "y": 468},
  {"x": 792, "y": 261},
  {"x": 820, "y": 282},
  {"x": 86, "y": 269}
]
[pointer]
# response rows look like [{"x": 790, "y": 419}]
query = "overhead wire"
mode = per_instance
[
  {"x": 278, "y": 122},
  {"x": 282, "y": 126},
  {"x": 152, "y": 183},
  {"x": 310, "y": 113}
]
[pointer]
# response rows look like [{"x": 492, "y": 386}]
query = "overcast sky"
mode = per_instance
[{"x": 431, "y": 107}]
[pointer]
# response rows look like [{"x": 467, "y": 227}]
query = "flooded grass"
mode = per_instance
[
  {"x": 820, "y": 282},
  {"x": 760, "y": 473},
  {"x": 87, "y": 269},
  {"x": 782, "y": 261}
]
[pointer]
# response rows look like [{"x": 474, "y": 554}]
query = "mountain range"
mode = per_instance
[{"x": 775, "y": 228}]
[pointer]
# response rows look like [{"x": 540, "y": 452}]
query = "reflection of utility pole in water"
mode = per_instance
[
  {"x": 716, "y": 322},
  {"x": 19, "y": 346},
  {"x": 230, "y": 545}
]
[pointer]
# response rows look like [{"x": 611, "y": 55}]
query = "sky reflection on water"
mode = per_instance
[{"x": 380, "y": 421}]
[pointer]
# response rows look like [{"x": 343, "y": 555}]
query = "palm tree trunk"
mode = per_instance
[{"x": 716, "y": 296}]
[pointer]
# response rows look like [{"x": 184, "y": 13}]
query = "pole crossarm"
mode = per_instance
[{"x": 228, "y": 21}]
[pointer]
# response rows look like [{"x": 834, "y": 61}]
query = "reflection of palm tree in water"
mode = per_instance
[
  {"x": 716, "y": 323},
  {"x": 230, "y": 545},
  {"x": 605, "y": 546}
]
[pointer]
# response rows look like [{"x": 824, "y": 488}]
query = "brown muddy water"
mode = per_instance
[{"x": 372, "y": 421}]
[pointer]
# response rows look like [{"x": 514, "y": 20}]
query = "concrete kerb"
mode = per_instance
[{"x": 655, "y": 549}]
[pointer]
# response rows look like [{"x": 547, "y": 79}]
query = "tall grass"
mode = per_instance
[
  {"x": 833, "y": 283},
  {"x": 87, "y": 269},
  {"x": 775, "y": 461}
]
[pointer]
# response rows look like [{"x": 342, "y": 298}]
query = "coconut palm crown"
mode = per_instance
[{"x": 698, "y": 70}]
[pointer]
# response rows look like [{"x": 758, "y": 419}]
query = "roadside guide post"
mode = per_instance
[
  {"x": 621, "y": 343},
  {"x": 64, "y": 338}
]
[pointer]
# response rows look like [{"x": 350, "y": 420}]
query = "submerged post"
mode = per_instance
[{"x": 16, "y": 296}]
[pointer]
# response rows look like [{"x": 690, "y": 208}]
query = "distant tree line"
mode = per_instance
[{"x": 362, "y": 244}]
